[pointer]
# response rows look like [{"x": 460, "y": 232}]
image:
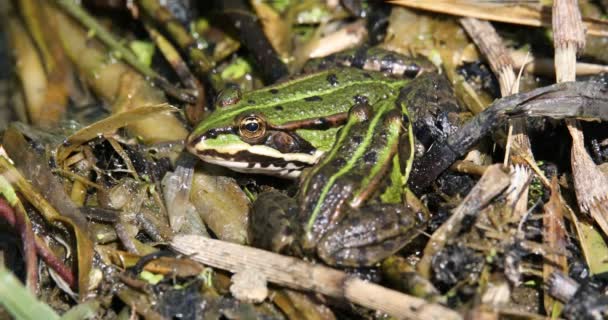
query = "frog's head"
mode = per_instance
[{"x": 240, "y": 136}]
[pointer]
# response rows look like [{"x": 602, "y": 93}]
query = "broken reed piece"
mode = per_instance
[
  {"x": 492, "y": 48},
  {"x": 562, "y": 287},
  {"x": 568, "y": 39},
  {"x": 590, "y": 184},
  {"x": 301, "y": 275},
  {"x": 468, "y": 167},
  {"x": 554, "y": 238}
]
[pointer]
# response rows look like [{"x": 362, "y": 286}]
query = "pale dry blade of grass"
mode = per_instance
[
  {"x": 529, "y": 15},
  {"x": 301, "y": 275}
]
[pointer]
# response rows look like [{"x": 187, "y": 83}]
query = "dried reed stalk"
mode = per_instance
[
  {"x": 590, "y": 184},
  {"x": 492, "y": 48},
  {"x": 298, "y": 274}
]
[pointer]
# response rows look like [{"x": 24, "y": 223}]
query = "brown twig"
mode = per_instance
[
  {"x": 33, "y": 246},
  {"x": 47, "y": 255},
  {"x": 301, "y": 275},
  {"x": 568, "y": 38},
  {"x": 590, "y": 184},
  {"x": 468, "y": 167},
  {"x": 490, "y": 44},
  {"x": 554, "y": 237},
  {"x": 195, "y": 111}
]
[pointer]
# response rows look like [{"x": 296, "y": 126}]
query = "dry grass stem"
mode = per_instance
[
  {"x": 569, "y": 37},
  {"x": 554, "y": 237},
  {"x": 469, "y": 167},
  {"x": 529, "y": 15},
  {"x": 546, "y": 66},
  {"x": 301, "y": 275},
  {"x": 590, "y": 184},
  {"x": 492, "y": 48}
]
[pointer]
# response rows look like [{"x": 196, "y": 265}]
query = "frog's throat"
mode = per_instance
[{"x": 257, "y": 159}]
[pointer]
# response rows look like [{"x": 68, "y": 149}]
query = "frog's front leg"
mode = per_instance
[{"x": 333, "y": 198}]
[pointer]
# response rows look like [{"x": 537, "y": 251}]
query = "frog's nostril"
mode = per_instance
[{"x": 193, "y": 139}]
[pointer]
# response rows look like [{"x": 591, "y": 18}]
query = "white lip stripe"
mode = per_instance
[
  {"x": 291, "y": 171},
  {"x": 234, "y": 148}
]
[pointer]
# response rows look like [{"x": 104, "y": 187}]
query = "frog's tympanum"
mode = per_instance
[{"x": 347, "y": 134}]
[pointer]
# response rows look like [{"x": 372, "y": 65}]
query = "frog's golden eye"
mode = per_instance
[{"x": 252, "y": 128}]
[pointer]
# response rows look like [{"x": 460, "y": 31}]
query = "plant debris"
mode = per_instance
[{"x": 443, "y": 162}]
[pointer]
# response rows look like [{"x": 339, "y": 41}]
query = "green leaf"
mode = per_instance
[
  {"x": 85, "y": 310},
  {"x": 238, "y": 69},
  {"x": 594, "y": 247},
  {"x": 144, "y": 51},
  {"x": 6, "y": 189},
  {"x": 150, "y": 277},
  {"x": 20, "y": 302}
]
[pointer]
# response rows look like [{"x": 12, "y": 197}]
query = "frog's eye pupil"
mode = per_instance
[{"x": 252, "y": 126}]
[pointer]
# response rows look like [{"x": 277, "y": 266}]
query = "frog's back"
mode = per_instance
[{"x": 324, "y": 93}]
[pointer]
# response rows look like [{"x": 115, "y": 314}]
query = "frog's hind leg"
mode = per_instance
[
  {"x": 373, "y": 59},
  {"x": 371, "y": 234}
]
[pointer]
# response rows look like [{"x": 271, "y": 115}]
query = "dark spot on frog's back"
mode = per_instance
[
  {"x": 332, "y": 79},
  {"x": 360, "y": 57},
  {"x": 339, "y": 162},
  {"x": 279, "y": 108},
  {"x": 251, "y": 101},
  {"x": 273, "y": 91},
  {"x": 357, "y": 139},
  {"x": 359, "y": 99},
  {"x": 313, "y": 98},
  {"x": 370, "y": 157},
  {"x": 367, "y": 75}
]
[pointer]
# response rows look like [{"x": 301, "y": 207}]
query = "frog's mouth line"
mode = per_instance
[{"x": 269, "y": 161}]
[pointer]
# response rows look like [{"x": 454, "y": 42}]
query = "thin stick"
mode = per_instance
[
  {"x": 568, "y": 38},
  {"x": 546, "y": 66},
  {"x": 301, "y": 275},
  {"x": 469, "y": 167}
]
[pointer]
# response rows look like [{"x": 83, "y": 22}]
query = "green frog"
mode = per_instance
[{"x": 347, "y": 135}]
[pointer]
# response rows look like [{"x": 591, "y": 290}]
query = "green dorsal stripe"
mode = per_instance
[{"x": 348, "y": 166}]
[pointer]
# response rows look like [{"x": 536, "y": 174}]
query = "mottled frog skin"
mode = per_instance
[{"x": 347, "y": 135}]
